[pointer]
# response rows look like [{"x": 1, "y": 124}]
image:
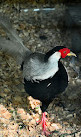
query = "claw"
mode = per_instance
[{"x": 44, "y": 124}]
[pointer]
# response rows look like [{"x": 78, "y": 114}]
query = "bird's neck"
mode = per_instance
[
  {"x": 54, "y": 57},
  {"x": 50, "y": 67}
]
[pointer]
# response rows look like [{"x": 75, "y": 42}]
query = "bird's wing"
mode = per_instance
[
  {"x": 13, "y": 44},
  {"x": 33, "y": 65}
]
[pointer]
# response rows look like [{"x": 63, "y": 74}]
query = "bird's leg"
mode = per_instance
[{"x": 44, "y": 124}]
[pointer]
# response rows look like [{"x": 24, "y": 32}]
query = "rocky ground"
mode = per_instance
[{"x": 39, "y": 31}]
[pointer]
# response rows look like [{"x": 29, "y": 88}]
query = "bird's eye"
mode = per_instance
[{"x": 64, "y": 52}]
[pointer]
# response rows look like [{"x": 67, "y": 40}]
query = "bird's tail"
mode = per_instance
[{"x": 12, "y": 44}]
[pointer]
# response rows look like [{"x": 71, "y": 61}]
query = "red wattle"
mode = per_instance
[{"x": 64, "y": 52}]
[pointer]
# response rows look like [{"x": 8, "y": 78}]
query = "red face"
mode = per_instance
[{"x": 64, "y": 52}]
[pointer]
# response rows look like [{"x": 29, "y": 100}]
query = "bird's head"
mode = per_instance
[
  {"x": 59, "y": 49},
  {"x": 66, "y": 52}
]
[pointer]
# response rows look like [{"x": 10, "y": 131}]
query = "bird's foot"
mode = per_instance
[{"x": 44, "y": 124}]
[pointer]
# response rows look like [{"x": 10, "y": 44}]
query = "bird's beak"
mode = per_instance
[{"x": 71, "y": 54}]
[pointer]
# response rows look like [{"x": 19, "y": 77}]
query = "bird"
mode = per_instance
[{"x": 44, "y": 74}]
